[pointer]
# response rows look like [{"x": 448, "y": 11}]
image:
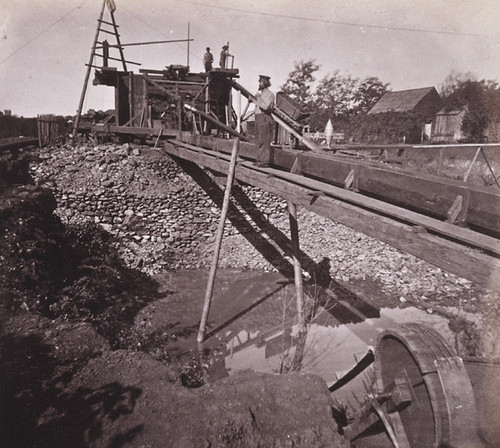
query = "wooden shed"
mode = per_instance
[
  {"x": 425, "y": 102},
  {"x": 447, "y": 126}
]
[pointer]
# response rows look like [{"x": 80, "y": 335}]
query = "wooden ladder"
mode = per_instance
[{"x": 104, "y": 46}]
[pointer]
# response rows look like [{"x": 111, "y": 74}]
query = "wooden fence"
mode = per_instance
[{"x": 48, "y": 129}]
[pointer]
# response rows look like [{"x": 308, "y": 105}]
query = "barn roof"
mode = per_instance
[{"x": 405, "y": 100}]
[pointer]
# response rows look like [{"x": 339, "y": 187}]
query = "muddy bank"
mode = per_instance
[{"x": 62, "y": 386}]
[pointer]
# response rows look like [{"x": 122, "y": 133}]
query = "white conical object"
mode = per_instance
[{"x": 328, "y": 132}]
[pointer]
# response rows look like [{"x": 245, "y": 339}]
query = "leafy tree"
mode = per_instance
[
  {"x": 299, "y": 82},
  {"x": 334, "y": 99},
  {"x": 481, "y": 100},
  {"x": 339, "y": 97},
  {"x": 369, "y": 92},
  {"x": 453, "y": 82}
]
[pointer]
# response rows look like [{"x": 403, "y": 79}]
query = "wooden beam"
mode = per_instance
[
  {"x": 430, "y": 195},
  {"x": 477, "y": 266},
  {"x": 468, "y": 236},
  {"x": 152, "y": 42}
]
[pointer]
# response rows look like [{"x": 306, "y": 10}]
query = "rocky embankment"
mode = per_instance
[{"x": 162, "y": 219}]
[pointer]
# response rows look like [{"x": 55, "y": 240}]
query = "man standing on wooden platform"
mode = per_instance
[
  {"x": 223, "y": 56},
  {"x": 264, "y": 123},
  {"x": 208, "y": 59}
]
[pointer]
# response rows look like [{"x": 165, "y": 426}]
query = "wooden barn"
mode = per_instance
[
  {"x": 404, "y": 116},
  {"x": 425, "y": 102}
]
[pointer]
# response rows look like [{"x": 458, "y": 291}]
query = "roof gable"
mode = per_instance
[{"x": 425, "y": 100}]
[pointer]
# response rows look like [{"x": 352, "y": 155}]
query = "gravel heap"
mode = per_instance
[{"x": 162, "y": 219}]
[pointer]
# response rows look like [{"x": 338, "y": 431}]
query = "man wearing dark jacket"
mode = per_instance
[
  {"x": 264, "y": 123},
  {"x": 208, "y": 59}
]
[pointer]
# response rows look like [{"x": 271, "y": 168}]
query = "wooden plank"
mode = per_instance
[
  {"x": 474, "y": 265},
  {"x": 430, "y": 195},
  {"x": 482, "y": 210},
  {"x": 468, "y": 236},
  {"x": 135, "y": 130}
]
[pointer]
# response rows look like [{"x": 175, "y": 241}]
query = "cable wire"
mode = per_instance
[
  {"x": 43, "y": 31},
  {"x": 336, "y": 22}
]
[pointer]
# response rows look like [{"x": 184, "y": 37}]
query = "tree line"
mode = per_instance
[{"x": 346, "y": 100}]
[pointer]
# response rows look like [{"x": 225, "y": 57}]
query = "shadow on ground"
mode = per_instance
[{"x": 37, "y": 410}]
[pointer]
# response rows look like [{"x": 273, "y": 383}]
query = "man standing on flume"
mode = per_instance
[{"x": 264, "y": 123}]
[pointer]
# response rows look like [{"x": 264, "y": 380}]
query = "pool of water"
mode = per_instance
[
  {"x": 253, "y": 325},
  {"x": 253, "y": 322}
]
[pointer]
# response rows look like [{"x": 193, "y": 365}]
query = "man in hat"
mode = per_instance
[
  {"x": 208, "y": 58},
  {"x": 223, "y": 56},
  {"x": 264, "y": 123}
]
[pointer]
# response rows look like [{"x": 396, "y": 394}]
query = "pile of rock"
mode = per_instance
[{"x": 162, "y": 219}]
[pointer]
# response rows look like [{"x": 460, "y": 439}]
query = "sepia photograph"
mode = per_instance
[{"x": 249, "y": 224}]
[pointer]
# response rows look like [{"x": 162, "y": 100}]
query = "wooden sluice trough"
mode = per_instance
[
  {"x": 453, "y": 225},
  {"x": 393, "y": 218}
]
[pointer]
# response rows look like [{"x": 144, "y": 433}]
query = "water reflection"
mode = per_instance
[
  {"x": 252, "y": 322},
  {"x": 330, "y": 349}
]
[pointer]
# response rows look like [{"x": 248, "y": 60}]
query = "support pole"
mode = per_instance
[
  {"x": 294, "y": 230},
  {"x": 218, "y": 242},
  {"x": 89, "y": 68},
  {"x": 188, "y": 39},
  {"x": 238, "y": 118},
  {"x": 471, "y": 164},
  {"x": 490, "y": 167}
]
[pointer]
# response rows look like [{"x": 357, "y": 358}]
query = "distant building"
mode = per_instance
[
  {"x": 425, "y": 102},
  {"x": 447, "y": 126},
  {"x": 404, "y": 116}
]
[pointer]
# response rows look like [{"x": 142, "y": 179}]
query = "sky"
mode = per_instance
[{"x": 45, "y": 44}]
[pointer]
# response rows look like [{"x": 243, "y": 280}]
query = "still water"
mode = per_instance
[
  {"x": 253, "y": 322},
  {"x": 253, "y": 325}
]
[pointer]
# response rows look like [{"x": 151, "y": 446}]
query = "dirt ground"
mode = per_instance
[
  {"x": 77, "y": 369},
  {"x": 73, "y": 373},
  {"x": 63, "y": 386}
]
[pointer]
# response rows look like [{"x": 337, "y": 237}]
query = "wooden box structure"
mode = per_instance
[
  {"x": 168, "y": 101},
  {"x": 290, "y": 107}
]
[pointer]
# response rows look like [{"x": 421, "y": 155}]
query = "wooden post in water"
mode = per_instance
[
  {"x": 294, "y": 231},
  {"x": 218, "y": 242}
]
